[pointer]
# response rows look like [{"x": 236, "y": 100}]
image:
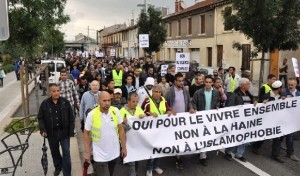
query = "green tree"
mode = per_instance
[
  {"x": 31, "y": 22},
  {"x": 270, "y": 24},
  {"x": 151, "y": 23}
]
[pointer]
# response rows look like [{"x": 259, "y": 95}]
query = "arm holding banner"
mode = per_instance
[{"x": 122, "y": 137}]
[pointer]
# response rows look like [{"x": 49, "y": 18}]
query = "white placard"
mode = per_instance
[
  {"x": 97, "y": 53},
  {"x": 296, "y": 67},
  {"x": 144, "y": 40},
  {"x": 101, "y": 54},
  {"x": 182, "y": 62},
  {"x": 163, "y": 70},
  {"x": 210, "y": 130},
  {"x": 112, "y": 52}
]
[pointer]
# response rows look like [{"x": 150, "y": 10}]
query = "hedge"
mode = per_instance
[{"x": 8, "y": 68}]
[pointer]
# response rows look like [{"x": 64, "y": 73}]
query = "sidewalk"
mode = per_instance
[{"x": 10, "y": 106}]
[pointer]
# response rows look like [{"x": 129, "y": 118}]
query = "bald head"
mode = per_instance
[{"x": 104, "y": 101}]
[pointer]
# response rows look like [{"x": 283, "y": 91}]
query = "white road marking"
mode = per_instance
[{"x": 250, "y": 166}]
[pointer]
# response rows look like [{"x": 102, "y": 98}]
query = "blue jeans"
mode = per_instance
[
  {"x": 153, "y": 164},
  {"x": 237, "y": 150},
  {"x": 60, "y": 162}
]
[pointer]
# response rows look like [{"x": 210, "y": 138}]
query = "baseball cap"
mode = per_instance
[{"x": 117, "y": 90}]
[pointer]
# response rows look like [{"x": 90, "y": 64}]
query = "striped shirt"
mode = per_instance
[{"x": 68, "y": 91}]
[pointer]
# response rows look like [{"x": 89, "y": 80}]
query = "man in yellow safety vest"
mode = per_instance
[
  {"x": 154, "y": 106},
  {"x": 117, "y": 76},
  {"x": 132, "y": 109},
  {"x": 266, "y": 88},
  {"x": 104, "y": 126}
]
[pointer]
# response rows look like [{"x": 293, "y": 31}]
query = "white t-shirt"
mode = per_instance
[{"x": 108, "y": 148}]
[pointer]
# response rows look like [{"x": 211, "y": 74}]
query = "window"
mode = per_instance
[
  {"x": 170, "y": 29},
  {"x": 189, "y": 26},
  {"x": 227, "y": 17},
  {"x": 59, "y": 66},
  {"x": 179, "y": 28},
  {"x": 51, "y": 67},
  {"x": 202, "y": 24}
]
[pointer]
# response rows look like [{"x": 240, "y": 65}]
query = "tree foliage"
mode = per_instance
[
  {"x": 34, "y": 24},
  {"x": 151, "y": 23},
  {"x": 271, "y": 24}
]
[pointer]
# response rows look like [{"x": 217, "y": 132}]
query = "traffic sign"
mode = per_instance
[{"x": 4, "y": 28}]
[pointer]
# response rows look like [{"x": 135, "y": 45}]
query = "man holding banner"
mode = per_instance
[
  {"x": 179, "y": 100},
  {"x": 206, "y": 98},
  {"x": 155, "y": 105},
  {"x": 129, "y": 110},
  {"x": 240, "y": 96}
]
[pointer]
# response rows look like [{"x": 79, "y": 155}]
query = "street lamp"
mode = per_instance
[{"x": 144, "y": 5}]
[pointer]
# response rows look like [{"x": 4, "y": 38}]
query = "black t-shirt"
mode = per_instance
[{"x": 194, "y": 88}]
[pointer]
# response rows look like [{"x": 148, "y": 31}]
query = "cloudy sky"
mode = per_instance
[{"x": 99, "y": 13}]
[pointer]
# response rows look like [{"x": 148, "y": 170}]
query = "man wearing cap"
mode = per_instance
[
  {"x": 263, "y": 91},
  {"x": 146, "y": 90},
  {"x": 118, "y": 101},
  {"x": 273, "y": 95},
  {"x": 132, "y": 109}
]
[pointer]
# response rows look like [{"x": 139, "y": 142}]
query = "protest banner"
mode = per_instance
[
  {"x": 182, "y": 62},
  {"x": 163, "y": 70},
  {"x": 144, "y": 40},
  {"x": 296, "y": 67},
  {"x": 210, "y": 130},
  {"x": 101, "y": 54}
]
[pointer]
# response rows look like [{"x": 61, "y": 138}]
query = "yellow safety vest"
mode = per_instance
[
  {"x": 97, "y": 122},
  {"x": 267, "y": 88},
  {"x": 138, "y": 111},
  {"x": 162, "y": 107},
  {"x": 233, "y": 82},
  {"x": 117, "y": 77}
]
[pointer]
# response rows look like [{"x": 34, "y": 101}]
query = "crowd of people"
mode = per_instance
[{"x": 106, "y": 92}]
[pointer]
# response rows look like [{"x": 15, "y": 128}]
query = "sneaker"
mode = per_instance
[
  {"x": 203, "y": 162},
  {"x": 241, "y": 159},
  {"x": 293, "y": 157},
  {"x": 278, "y": 159},
  {"x": 149, "y": 173},
  {"x": 179, "y": 164},
  {"x": 158, "y": 170},
  {"x": 228, "y": 156}
]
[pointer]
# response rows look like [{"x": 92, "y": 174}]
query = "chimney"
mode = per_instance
[{"x": 178, "y": 7}]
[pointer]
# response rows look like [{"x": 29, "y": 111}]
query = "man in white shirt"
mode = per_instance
[{"x": 104, "y": 125}]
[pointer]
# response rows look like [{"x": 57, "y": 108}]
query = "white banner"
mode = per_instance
[
  {"x": 163, "y": 70},
  {"x": 144, "y": 40},
  {"x": 188, "y": 133},
  {"x": 182, "y": 62},
  {"x": 296, "y": 67},
  {"x": 101, "y": 54}
]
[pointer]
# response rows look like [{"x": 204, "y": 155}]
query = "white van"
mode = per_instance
[{"x": 54, "y": 67}]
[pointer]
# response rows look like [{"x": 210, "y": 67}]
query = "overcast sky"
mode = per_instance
[{"x": 99, "y": 13}]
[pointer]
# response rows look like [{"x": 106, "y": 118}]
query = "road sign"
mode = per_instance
[
  {"x": 144, "y": 40},
  {"x": 4, "y": 29}
]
